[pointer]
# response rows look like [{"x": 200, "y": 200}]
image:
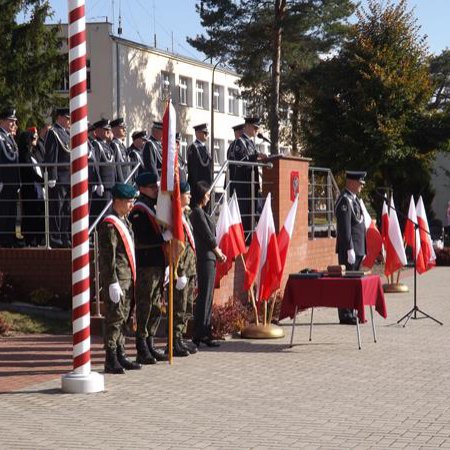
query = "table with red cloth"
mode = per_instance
[{"x": 334, "y": 292}]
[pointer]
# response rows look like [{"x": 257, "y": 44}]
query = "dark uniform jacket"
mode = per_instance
[
  {"x": 199, "y": 163},
  {"x": 94, "y": 177},
  {"x": 187, "y": 261},
  {"x": 9, "y": 157},
  {"x": 120, "y": 156},
  {"x": 204, "y": 234},
  {"x": 152, "y": 156},
  {"x": 57, "y": 150},
  {"x": 113, "y": 259},
  {"x": 148, "y": 236},
  {"x": 244, "y": 149},
  {"x": 104, "y": 156},
  {"x": 351, "y": 230}
]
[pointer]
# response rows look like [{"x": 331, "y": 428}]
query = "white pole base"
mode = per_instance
[{"x": 80, "y": 383}]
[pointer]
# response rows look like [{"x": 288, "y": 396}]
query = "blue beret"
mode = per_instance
[
  {"x": 122, "y": 190},
  {"x": 184, "y": 187},
  {"x": 147, "y": 179}
]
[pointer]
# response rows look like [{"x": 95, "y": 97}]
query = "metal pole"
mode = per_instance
[
  {"x": 313, "y": 207},
  {"x": 252, "y": 178},
  {"x": 46, "y": 210},
  {"x": 97, "y": 276}
]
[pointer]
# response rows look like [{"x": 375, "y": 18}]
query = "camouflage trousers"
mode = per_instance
[
  {"x": 183, "y": 307},
  {"x": 116, "y": 315},
  {"x": 149, "y": 284}
]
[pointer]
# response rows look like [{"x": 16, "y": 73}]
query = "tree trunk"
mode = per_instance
[
  {"x": 295, "y": 124},
  {"x": 274, "y": 118}
]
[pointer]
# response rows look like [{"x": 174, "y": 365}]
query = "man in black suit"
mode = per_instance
[
  {"x": 152, "y": 154},
  {"x": 199, "y": 160},
  {"x": 351, "y": 232},
  {"x": 57, "y": 151},
  {"x": 9, "y": 178}
]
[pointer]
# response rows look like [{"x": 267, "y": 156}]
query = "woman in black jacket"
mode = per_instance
[{"x": 207, "y": 253}]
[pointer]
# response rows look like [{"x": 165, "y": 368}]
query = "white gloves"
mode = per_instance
[
  {"x": 166, "y": 276},
  {"x": 115, "y": 292},
  {"x": 167, "y": 235},
  {"x": 351, "y": 258},
  {"x": 100, "y": 190},
  {"x": 181, "y": 282},
  {"x": 1, "y": 187},
  {"x": 94, "y": 188},
  {"x": 51, "y": 184}
]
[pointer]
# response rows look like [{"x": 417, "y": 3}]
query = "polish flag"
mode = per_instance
[
  {"x": 236, "y": 224},
  {"x": 429, "y": 257},
  {"x": 395, "y": 251},
  {"x": 384, "y": 227},
  {"x": 285, "y": 235},
  {"x": 263, "y": 265},
  {"x": 227, "y": 242},
  {"x": 373, "y": 238},
  {"x": 412, "y": 237}
]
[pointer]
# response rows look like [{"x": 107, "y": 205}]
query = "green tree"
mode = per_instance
[
  {"x": 271, "y": 45},
  {"x": 368, "y": 106},
  {"x": 31, "y": 63},
  {"x": 440, "y": 72}
]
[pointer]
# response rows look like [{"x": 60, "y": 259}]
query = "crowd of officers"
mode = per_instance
[{"x": 110, "y": 161}]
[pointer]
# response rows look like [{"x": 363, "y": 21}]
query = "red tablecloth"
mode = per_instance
[{"x": 353, "y": 293}]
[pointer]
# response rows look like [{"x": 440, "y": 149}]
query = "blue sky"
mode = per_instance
[{"x": 178, "y": 18}]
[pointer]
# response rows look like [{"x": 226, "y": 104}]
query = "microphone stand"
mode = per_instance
[{"x": 412, "y": 313}]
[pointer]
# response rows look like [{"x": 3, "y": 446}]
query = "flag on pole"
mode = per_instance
[
  {"x": 237, "y": 228},
  {"x": 373, "y": 238},
  {"x": 428, "y": 254},
  {"x": 168, "y": 209},
  {"x": 263, "y": 264},
  {"x": 395, "y": 251},
  {"x": 412, "y": 237},
  {"x": 285, "y": 235}
]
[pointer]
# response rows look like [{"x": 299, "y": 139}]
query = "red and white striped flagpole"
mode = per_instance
[{"x": 81, "y": 380}]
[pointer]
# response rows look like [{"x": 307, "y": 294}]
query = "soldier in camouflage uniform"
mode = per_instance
[
  {"x": 117, "y": 276},
  {"x": 151, "y": 264},
  {"x": 186, "y": 284}
]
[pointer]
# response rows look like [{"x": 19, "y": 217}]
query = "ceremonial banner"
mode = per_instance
[
  {"x": 236, "y": 224},
  {"x": 412, "y": 237},
  {"x": 395, "y": 251},
  {"x": 429, "y": 256},
  {"x": 374, "y": 241}
]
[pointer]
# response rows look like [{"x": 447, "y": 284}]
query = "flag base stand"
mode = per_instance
[
  {"x": 81, "y": 383},
  {"x": 412, "y": 314},
  {"x": 395, "y": 288},
  {"x": 254, "y": 331}
]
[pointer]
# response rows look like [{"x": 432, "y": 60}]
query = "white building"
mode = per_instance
[{"x": 132, "y": 80}]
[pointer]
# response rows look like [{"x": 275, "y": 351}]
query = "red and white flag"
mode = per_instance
[
  {"x": 168, "y": 209},
  {"x": 374, "y": 241},
  {"x": 263, "y": 265},
  {"x": 226, "y": 242},
  {"x": 285, "y": 235},
  {"x": 412, "y": 237},
  {"x": 236, "y": 224},
  {"x": 428, "y": 254},
  {"x": 395, "y": 251}
]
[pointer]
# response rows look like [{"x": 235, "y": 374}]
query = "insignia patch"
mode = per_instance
[{"x": 344, "y": 207}]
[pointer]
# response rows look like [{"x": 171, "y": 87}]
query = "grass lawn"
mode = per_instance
[{"x": 31, "y": 324}]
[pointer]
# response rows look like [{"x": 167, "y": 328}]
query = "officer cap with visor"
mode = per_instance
[{"x": 356, "y": 175}]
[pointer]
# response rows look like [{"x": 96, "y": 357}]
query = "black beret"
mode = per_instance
[
  {"x": 157, "y": 125},
  {"x": 139, "y": 134},
  {"x": 147, "y": 179},
  {"x": 184, "y": 187},
  {"x": 238, "y": 127},
  {"x": 62, "y": 112},
  {"x": 202, "y": 127},
  {"x": 356, "y": 175},
  {"x": 255, "y": 121},
  {"x": 119, "y": 122},
  {"x": 102, "y": 123},
  {"x": 122, "y": 190},
  {"x": 8, "y": 113}
]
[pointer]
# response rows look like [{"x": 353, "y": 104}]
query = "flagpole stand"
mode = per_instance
[
  {"x": 395, "y": 288},
  {"x": 269, "y": 331}
]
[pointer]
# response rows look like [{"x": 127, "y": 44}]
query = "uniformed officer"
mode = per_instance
[
  {"x": 57, "y": 151},
  {"x": 199, "y": 160},
  {"x": 117, "y": 276},
  {"x": 151, "y": 264},
  {"x": 238, "y": 130},
  {"x": 136, "y": 149},
  {"x": 186, "y": 283},
  {"x": 351, "y": 231},
  {"x": 182, "y": 164},
  {"x": 118, "y": 129},
  {"x": 244, "y": 149},
  {"x": 104, "y": 156},
  {"x": 152, "y": 153},
  {"x": 9, "y": 177}
]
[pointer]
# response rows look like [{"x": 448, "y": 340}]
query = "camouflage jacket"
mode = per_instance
[{"x": 188, "y": 259}]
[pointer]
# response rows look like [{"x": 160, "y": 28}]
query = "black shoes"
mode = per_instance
[
  {"x": 159, "y": 355},
  {"x": 190, "y": 346},
  {"x": 348, "y": 321},
  {"x": 207, "y": 341},
  {"x": 143, "y": 354},
  {"x": 112, "y": 365},
  {"x": 125, "y": 362},
  {"x": 179, "y": 349}
]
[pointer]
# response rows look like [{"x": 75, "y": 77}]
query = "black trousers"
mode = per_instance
[
  {"x": 59, "y": 206},
  {"x": 33, "y": 225},
  {"x": 346, "y": 313},
  {"x": 8, "y": 213},
  {"x": 206, "y": 273}
]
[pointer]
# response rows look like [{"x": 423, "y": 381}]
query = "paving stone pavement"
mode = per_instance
[{"x": 262, "y": 394}]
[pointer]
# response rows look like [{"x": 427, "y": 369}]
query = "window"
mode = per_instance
[
  {"x": 219, "y": 152},
  {"x": 165, "y": 84},
  {"x": 183, "y": 147},
  {"x": 233, "y": 102},
  {"x": 183, "y": 91},
  {"x": 245, "y": 108},
  {"x": 216, "y": 98},
  {"x": 201, "y": 94}
]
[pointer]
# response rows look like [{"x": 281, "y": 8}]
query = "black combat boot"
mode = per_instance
[
  {"x": 156, "y": 353},
  {"x": 125, "y": 362},
  {"x": 189, "y": 346},
  {"x": 179, "y": 349},
  {"x": 143, "y": 354},
  {"x": 112, "y": 365}
]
